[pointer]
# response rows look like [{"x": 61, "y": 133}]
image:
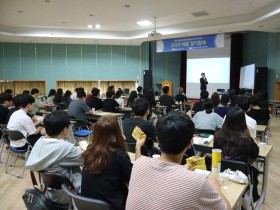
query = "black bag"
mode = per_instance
[{"x": 35, "y": 199}]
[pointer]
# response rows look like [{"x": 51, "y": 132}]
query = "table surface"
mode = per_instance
[{"x": 105, "y": 114}]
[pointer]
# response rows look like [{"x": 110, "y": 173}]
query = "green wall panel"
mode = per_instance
[
  {"x": 74, "y": 62},
  {"x": 132, "y": 63},
  {"x": 89, "y": 62},
  {"x": 12, "y": 61},
  {"x": 58, "y": 64},
  {"x": 28, "y": 62},
  {"x": 44, "y": 67},
  {"x": 104, "y": 62},
  {"x": 2, "y": 61}
]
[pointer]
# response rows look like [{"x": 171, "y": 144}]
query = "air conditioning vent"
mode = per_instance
[{"x": 200, "y": 13}]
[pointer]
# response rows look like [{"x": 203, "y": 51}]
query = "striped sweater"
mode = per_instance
[{"x": 157, "y": 185}]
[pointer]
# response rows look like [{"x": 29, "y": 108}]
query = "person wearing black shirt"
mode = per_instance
[
  {"x": 107, "y": 166},
  {"x": 16, "y": 102},
  {"x": 110, "y": 104},
  {"x": 203, "y": 82},
  {"x": 166, "y": 100},
  {"x": 198, "y": 106},
  {"x": 95, "y": 101},
  {"x": 141, "y": 109},
  {"x": 5, "y": 103}
]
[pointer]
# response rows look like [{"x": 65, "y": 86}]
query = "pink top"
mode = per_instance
[{"x": 160, "y": 185}]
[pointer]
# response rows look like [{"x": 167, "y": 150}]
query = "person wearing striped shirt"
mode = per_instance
[{"x": 163, "y": 183}]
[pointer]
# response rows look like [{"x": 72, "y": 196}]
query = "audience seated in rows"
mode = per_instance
[
  {"x": 140, "y": 108},
  {"x": 223, "y": 108},
  {"x": 261, "y": 115},
  {"x": 243, "y": 102},
  {"x": 78, "y": 108},
  {"x": 236, "y": 143},
  {"x": 110, "y": 104},
  {"x": 154, "y": 181},
  {"x": 52, "y": 154},
  {"x": 94, "y": 101},
  {"x": 198, "y": 106},
  {"x": 207, "y": 119},
  {"x": 20, "y": 121},
  {"x": 166, "y": 100},
  {"x": 107, "y": 166}
]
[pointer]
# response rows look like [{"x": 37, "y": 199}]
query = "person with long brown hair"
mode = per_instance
[
  {"x": 236, "y": 143},
  {"x": 107, "y": 166}
]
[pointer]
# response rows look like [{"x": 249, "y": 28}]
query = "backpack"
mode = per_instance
[{"x": 34, "y": 199}]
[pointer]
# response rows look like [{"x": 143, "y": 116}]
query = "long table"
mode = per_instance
[
  {"x": 263, "y": 157},
  {"x": 232, "y": 191},
  {"x": 97, "y": 115}
]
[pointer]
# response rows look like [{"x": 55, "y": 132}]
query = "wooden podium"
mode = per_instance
[{"x": 168, "y": 84}]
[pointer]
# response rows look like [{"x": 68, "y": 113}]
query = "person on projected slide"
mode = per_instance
[{"x": 203, "y": 82}]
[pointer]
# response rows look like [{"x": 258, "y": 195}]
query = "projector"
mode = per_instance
[{"x": 154, "y": 33}]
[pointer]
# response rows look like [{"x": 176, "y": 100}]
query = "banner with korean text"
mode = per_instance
[{"x": 191, "y": 43}]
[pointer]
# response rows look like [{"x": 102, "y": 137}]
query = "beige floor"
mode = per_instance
[{"x": 12, "y": 188}]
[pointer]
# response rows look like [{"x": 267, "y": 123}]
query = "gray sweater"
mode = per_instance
[{"x": 55, "y": 155}]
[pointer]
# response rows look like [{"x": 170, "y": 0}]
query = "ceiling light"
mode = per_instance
[
  {"x": 89, "y": 26},
  {"x": 97, "y": 26},
  {"x": 144, "y": 23}
]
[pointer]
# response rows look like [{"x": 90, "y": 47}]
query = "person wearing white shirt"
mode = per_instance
[{"x": 20, "y": 121}]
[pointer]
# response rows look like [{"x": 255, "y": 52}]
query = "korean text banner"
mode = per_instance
[{"x": 191, "y": 43}]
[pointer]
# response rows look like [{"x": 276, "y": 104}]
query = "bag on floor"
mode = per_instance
[{"x": 34, "y": 199}]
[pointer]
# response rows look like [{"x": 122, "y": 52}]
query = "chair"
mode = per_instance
[
  {"x": 80, "y": 129},
  {"x": 234, "y": 165},
  {"x": 54, "y": 181},
  {"x": 4, "y": 139},
  {"x": 15, "y": 135},
  {"x": 212, "y": 132},
  {"x": 83, "y": 203},
  {"x": 130, "y": 146}
]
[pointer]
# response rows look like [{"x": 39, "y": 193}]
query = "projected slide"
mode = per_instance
[
  {"x": 247, "y": 76},
  {"x": 217, "y": 73}
]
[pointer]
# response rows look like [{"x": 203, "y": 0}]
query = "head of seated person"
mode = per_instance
[
  {"x": 224, "y": 99},
  {"x": 140, "y": 107},
  {"x": 110, "y": 94},
  {"x": 95, "y": 92},
  {"x": 35, "y": 92},
  {"x": 208, "y": 105},
  {"x": 165, "y": 90},
  {"x": 243, "y": 102},
  {"x": 56, "y": 124},
  {"x": 175, "y": 132},
  {"x": 204, "y": 94},
  {"x": 81, "y": 94},
  {"x": 254, "y": 100},
  {"x": 26, "y": 102}
]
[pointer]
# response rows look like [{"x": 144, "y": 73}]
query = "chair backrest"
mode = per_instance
[
  {"x": 130, "y": 146},
  {"x": 231, "y": 164},
  {"x": 14, "y": 135},
  {"x": 84, "y": 203},
  {"x": 212, "y": 132},
  {"x": 54, "y": 180},
  {"x": 80, "y": 124}
]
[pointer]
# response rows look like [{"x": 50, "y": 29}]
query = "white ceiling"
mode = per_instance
[{"x": 65, "y": 21}]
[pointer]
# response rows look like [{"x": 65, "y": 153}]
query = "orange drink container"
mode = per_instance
[{"x": 216, "y": 160}]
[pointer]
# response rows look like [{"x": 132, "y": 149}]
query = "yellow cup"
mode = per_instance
[{"x": 216, "y": 160}]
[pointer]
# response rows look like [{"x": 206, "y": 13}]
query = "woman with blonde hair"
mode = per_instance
[{"x": 107, "y": 166}]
